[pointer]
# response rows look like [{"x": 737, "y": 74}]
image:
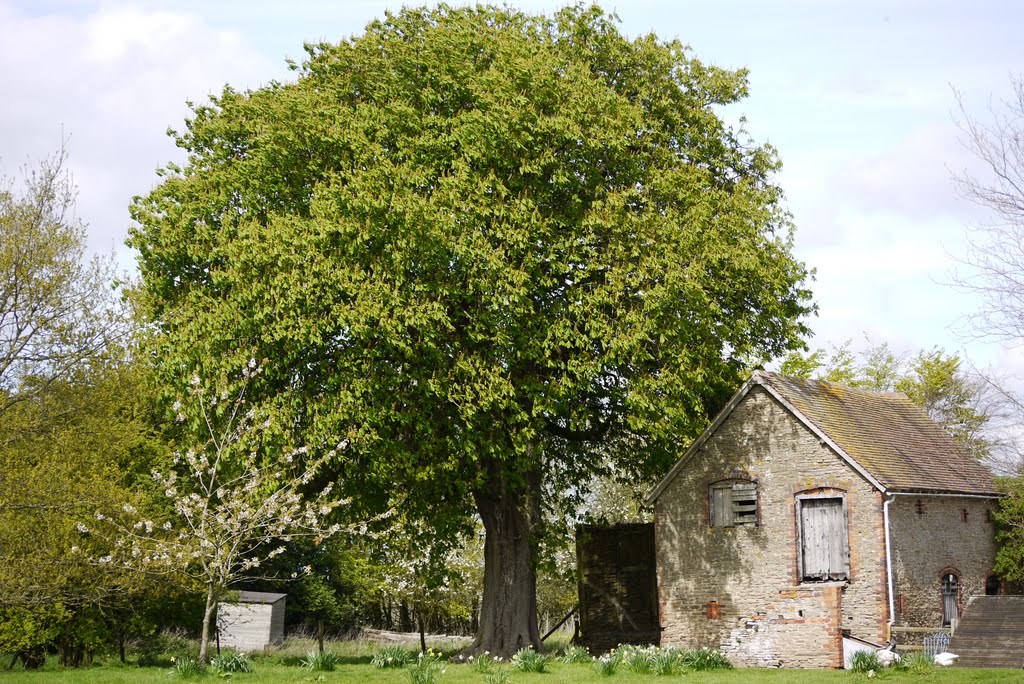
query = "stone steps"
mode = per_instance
[{"x": 990, "y": 632}]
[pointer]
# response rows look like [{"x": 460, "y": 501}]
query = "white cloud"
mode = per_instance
[{"x": 111, "y": 80}]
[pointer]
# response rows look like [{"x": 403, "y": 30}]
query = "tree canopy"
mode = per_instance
[{"x": 482, "y": 246}]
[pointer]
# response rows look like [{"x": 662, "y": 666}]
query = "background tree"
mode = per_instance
[
  {"x": 58, "y": 311},
  {"x": 994, "y": 262},
  {"x": 482, "y": 245},
  {"x": 236, "y": 499},
  {"x": 76, "y": 427}
]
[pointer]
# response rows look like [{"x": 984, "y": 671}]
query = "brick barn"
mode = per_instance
[{"x": 808, "y": 511}]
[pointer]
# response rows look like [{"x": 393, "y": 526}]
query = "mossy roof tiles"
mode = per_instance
[{"x": 886, "y": 434}]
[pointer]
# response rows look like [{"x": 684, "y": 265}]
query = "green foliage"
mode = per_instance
[
  {"x": 230, "y": 662},
  {"x": 606, "y": 664},
  {"x": 497, "y": 676},
  {"x": 1009, "y": 517},
  {"x": 704, "y": 659},
  {"x": 915, "y": 662},
  {"x": 187, "y": 667},
  {"x": 480, "y": 245},
  {"x": 529, "y": 660},
  {"x": 482, "y": 663},
  {"x": 59, "y": 312},
  {"x": 572, "y": 654},
  {"x": 638, "y": 659},
  {"x": 668, "y": 661},
  {"x": 164, "y": 647},
  {"x": 865, "y": 661},
  {"x": 392, "y": 656},
  {"x": 320, "y": 661},
  {"x": 427, "y": 668}
]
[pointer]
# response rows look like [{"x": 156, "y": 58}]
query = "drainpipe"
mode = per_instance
[{"x": 888, "y": 561}]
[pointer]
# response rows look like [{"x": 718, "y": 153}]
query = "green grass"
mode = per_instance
[{"x": 267, "y": 671}]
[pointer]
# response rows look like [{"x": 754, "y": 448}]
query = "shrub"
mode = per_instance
[
  {"x": 187, "y": 668},
  {"x": 229, "y": 662},
  {"x": 528, "y": 660},
  {"x": 704, "y": 659},
  {"x": 320, "y": 661},
  {"x": 575, "y": 654},
  {"x": 865, "y": 661},
  {"x": 392, "y": 656},
  {"x": 163, "y": 648}
]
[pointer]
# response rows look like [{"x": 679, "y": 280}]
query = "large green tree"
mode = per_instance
[{"x": 480, "y": 245}]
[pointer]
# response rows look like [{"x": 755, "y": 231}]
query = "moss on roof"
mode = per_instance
[{"x": 888, "y": 435}]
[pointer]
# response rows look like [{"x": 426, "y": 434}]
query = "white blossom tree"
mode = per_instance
[{"x": 233, "y": 503}]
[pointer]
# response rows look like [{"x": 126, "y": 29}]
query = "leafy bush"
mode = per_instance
[
  {"x": 575, "y": 654},
  {"x": 865, "y": 661},
  {"x": 528, "y": 660},
  {"x": 320, "y": 661},
  {"x": 704, "y": 659},
  {"x": 427, "y": 668},
  {"x": 229, "y": 662},
  {"x": 606, "y": 664},
  {"x": 187, "y": 668},
  {"x": 392, "y": 656},
  {"x": 163, "y": 648}
]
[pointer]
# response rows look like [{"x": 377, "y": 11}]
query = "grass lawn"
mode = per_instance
[
  {"x": 354, "y": 665},
  {"x": 267, "y": 672}
]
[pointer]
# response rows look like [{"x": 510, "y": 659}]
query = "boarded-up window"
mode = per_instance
[
  {"x": 824, "y": 545},
  {"x": 733, "y": 503}
]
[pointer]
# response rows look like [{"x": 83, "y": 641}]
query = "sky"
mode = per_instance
[{"x": 859, "y": 98}]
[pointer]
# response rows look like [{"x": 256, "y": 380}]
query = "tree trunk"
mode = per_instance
[
  {"x": 508, "y": 611},
  {"x": 423, "y": 633},
  {"x": 404, "y": 621},
  {"x": 320, "y": 634},
  {"x": 208, "y": 615}
]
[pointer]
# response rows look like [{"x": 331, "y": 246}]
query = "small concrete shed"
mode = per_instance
[{"x": 251, "y": 621}]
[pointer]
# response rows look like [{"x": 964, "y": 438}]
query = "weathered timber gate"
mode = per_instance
[{"x": 617, "y": 585}]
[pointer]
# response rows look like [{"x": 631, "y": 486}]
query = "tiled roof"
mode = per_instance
[{"x": 886, "y": 434}]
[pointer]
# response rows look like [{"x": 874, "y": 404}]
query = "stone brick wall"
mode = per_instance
[
  {"x": 715, "y": 582},
  {"x": 800, "y": 628},
  {"x": 933, "y": 534}
]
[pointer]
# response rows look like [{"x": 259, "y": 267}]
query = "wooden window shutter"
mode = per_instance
[{"x": 721, "y": 506}]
